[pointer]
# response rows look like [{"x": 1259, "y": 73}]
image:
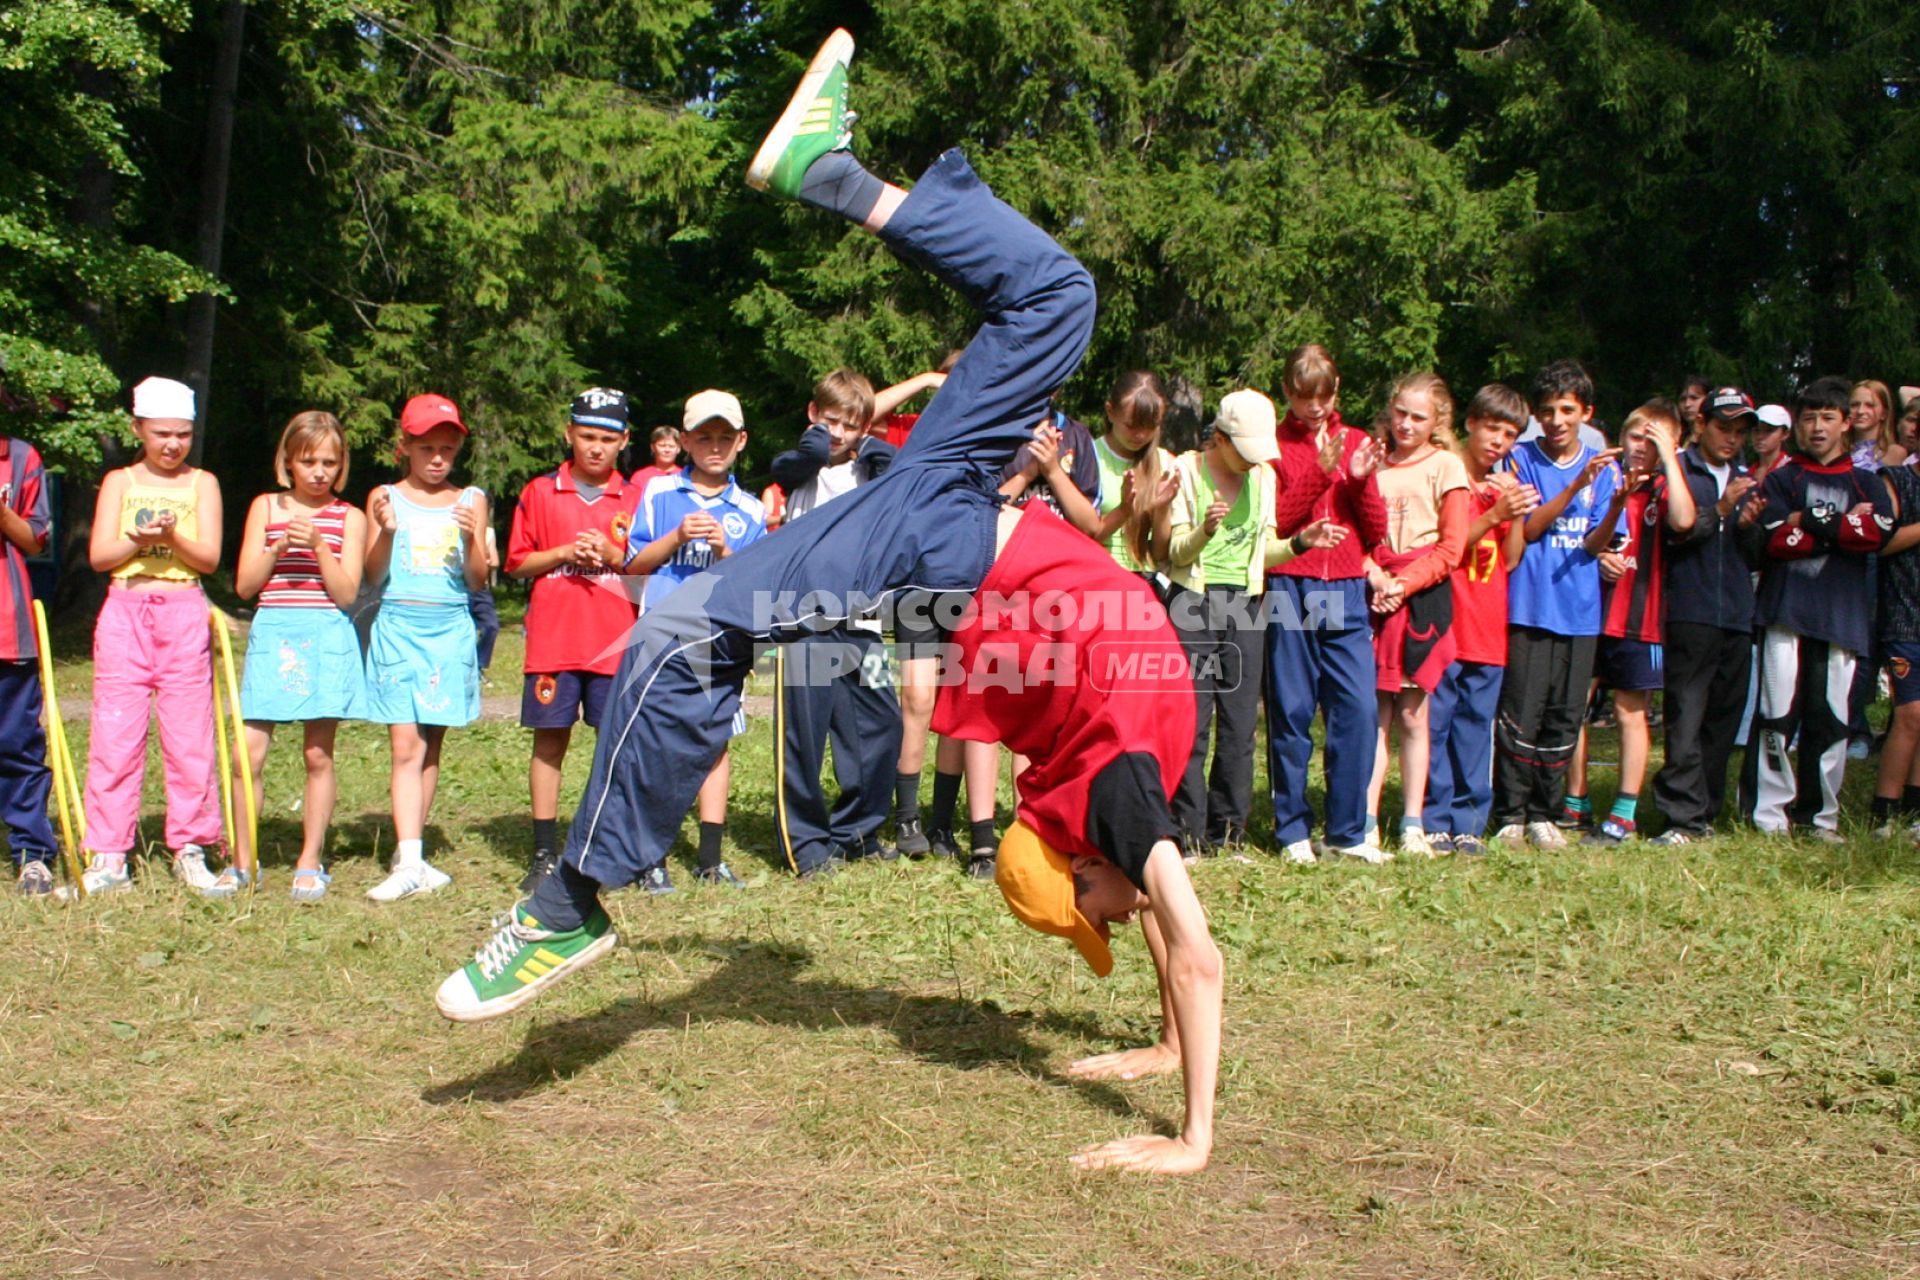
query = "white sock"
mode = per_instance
[{"x": 409, "y": 853}]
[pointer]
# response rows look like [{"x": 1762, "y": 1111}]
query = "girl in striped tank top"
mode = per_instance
[{"x": 302, "y": 557}]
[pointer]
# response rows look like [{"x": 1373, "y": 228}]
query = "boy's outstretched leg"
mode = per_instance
[{"x": 559, "y": 930}]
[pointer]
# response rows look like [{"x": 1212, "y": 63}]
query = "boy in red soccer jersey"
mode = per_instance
[{"x": 570, "y": 536}]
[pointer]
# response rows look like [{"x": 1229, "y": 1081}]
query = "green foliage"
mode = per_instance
[
  {"x": 69, "y": 71},
  {"x": 506, "y": 201}
]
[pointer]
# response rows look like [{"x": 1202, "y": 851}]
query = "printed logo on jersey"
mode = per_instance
[
  {"x": 622, "y": 526},
  {"x": 1900, "y": 668},
  {"x": 545, "y": 690},
  {"x": 735, "y": 526}
]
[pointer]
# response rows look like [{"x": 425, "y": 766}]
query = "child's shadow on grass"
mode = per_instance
[{"x": 763, "y": 982}]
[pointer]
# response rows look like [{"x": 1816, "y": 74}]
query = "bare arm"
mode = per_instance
[
  {"x": 472, "y": 519},
  {"x": 1601, "y": 535},
  {"x": 256, "y": 560},
  {"x": 381, "y": 523},
  {"x": 15, "y": 529},
  {"x": 886, "y": 400},
  {"x": 1681, "y": 511},
  {"x": 201, "y": 554},
  {"x": 107, "y": 550},
  {"x": 1189, "y": 969},
  {"x": 342, "y": 573}
]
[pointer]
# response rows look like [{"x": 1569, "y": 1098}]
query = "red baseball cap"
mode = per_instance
[{"x": 424, "y": 413}]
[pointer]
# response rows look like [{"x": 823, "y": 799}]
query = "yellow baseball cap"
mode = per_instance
[{"x": 1037, "y": 881}]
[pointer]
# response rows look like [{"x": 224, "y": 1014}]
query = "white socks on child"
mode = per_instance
[{"x": 409, "y": 853}]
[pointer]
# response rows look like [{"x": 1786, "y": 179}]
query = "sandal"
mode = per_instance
[
  {"x": 314, "y": 892},
  {"x": 227, "y": 884}
]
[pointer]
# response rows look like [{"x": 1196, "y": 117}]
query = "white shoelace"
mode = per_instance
[{"x": 493, "y": 957}]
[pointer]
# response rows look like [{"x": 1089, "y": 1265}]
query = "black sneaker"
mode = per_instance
[
  {"x": 1573, "y": 820},
  {"x": 910, "y": 838},
  {"x": 940, "y": 843},
  {"x": 871, "y": 848},
  {"x": 543, "y": 863},
  {"x": 1469, "y": 846},
  {"x": 821, "y": 870},
  {"x": 719, "y": 875},
  {"x": 655, "y": 879},
  {"x": 36, "y": 879},
  {"x": 983, "y": 866}
]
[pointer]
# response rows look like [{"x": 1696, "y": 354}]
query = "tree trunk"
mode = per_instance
[{"x": 216, "y": 161}]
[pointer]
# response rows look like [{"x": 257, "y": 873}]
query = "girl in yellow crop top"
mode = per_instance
[
  {"x": 156, "y": 529},
  {"x": 156, "y": 526}
]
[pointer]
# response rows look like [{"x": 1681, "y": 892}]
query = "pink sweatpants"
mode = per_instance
[{"x": 151, "y": 654}]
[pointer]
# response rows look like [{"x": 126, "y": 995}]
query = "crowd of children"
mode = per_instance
[{"x": 1751, "y": 563}]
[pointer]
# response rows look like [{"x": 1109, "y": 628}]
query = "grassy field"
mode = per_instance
[{"x": 1594, "y": 1063}]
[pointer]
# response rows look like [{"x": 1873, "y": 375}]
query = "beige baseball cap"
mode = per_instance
[
  {"x": 1247, "y": 419},
  {"x": 704, "y": 406}
]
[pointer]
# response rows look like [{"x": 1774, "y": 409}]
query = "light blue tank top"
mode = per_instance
[{"x": 428, "y": 565}]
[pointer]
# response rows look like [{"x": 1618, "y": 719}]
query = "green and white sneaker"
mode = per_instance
[
  {"x": 520, "y": 962},
  {"x": 815, "y": 122}
]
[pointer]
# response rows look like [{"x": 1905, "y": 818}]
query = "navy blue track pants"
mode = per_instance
[{"x": 929, "y": 522}]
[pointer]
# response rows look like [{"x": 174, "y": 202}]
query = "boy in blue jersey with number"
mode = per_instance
[
  {"x": 686, "y": 523},
  {"x": 1553, "y": 610}
]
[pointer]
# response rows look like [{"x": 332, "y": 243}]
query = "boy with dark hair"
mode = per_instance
[
  {"x": 1461, "y": 714},
  {"x": 1553, "y": 610},
  {"x": 570, "y": 536},
  {"x": 1823, "y": 518},
  {"x": 1709, "y": 624},
  {"x": 1103, "y": 768},
  {"x": 25, "y": 782},
  {"x": 834, "y": 683}
]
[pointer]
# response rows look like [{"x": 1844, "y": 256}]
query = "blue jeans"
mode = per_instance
[
  {"x": 1460, "y": 718},
  {"x": 927, "y": 523},
  {"x": 26, "y": 783}
]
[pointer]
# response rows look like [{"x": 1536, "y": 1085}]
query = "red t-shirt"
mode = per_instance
[
  {"x": 1634, "y": 608},
  {"x": 576, "y": 621},
  {"x": 650, "y": 472},
  {"x": 1070, "y": 661},
  {"x": 1480, "y": 588},
  {"x": 898, "y": 426}
]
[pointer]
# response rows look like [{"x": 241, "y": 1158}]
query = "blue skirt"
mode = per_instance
[
  {"x": 302, "y": 664},
  {"x": 422, "y": 665}
]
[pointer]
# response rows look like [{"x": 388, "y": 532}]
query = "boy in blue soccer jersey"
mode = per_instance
[
  {"x": 687, "y": 523},
  {"x": 1553, "y": 610}
]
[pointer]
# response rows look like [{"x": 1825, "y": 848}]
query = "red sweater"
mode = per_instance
[{"x": 1304, "y": 494}]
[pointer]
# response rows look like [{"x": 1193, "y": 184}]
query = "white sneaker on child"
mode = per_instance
[
  {"x": 1300, "y": 853},
  {"x": 1513, "y": 833},
  {"x": 190, "y": 868},
  {"x": 1544, "y": 835},
  {"x": 1415, "y": 844},
  {"x": 103, "y": 875},
  {"x": 406, "y": 880}
]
